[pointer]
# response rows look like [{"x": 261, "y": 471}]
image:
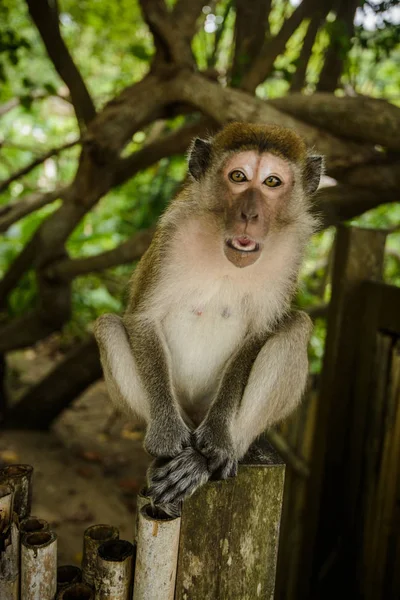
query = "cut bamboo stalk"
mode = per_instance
[
  {"x": 6, "y": 511},
  {"x": 156, "y": 556},
  {"x": 19, "y": 477},
  {"x": 141, "y": 501},
  {"x": 39, "y": 566},
  {"x": 94, "y": 537},
  {"x": 33, "y": 525},
  {"x": 9, "y": 546},
  {"x": 230, "y": 532},
  {"x": 67, "y": 575},
  {"x": 113, "y": 579},
  {"x": 76, "y": 591}
]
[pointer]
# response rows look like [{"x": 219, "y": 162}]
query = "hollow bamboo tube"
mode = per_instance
[
  {"x": 67, "y": 575},
  {"x": 156, "y": 556},
  {"x": 39, "y": 566},
  {"x": 113, "y": 579},
  {"x": 6, "y": 507},
  {"x": 19, "y": 477},
  {"x": 33, "y": 525},
  {"x": 76, "y": 591},
  {"x": 9, "y": 546},
  {"x": 93, "y": 537},
  {"x": 141, "y": 501}
]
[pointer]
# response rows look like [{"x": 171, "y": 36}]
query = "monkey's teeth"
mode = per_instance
[{"x": 243, "y": 244}]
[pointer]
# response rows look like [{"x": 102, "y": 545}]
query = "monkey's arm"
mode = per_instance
[
  {"x": 167, "y": 434},
  {"x": 135, "y": 364},
  {"x": 258, "y": 389}
]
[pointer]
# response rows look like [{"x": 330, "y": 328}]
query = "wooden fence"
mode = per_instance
[{"x": 341, "y": 518}]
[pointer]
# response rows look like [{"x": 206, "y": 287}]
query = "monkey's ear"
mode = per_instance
[
  {"x": 199, "y": 157},
  {"x": 312, "y": 173}
]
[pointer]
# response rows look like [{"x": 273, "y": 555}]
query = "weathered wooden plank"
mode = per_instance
[
  {"x": 358, "y": 257},
  {"x": 229, "y": 534}
]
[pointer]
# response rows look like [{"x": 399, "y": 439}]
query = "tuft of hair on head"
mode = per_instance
[{"x": 264, "y": 138}]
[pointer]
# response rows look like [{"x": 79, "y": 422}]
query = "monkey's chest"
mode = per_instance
[{"x": 201, "y": 339}]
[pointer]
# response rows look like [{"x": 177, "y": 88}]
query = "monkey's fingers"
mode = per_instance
[
  {"x": 179, "y": 478},
  {"x": 228, "y": 469}
]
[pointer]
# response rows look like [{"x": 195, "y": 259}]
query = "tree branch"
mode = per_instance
[
  {"x": 343, "y": 202},
  {"x": 340, "y": 43},
  {"x": 14, "y": 211},
  {"x": 18, "y": 267},
  {"x": 172, "y": 32},
  {"x": 263, "y": 64},
  {"x": 227, "y": 104},
  {"x": 35, "y": 163},
  {"x": 127, "y": 252},
  {"x": 359, "y": 119},
  {"x": 46, "y": 21},
  {"x": 40, "y": 405},
  {"x": 176, "y": 142},
  {"x": 24, "y": 331},
  {"x": 299, "y": 77},
  {"x": 251, "y": 25}
]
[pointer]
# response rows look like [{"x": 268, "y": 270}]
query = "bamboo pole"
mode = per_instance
[
  {"x": 67, "y": 575},
  {"x": 156, "y": 556},
  {"x": 19, "y": 477},
  {"x": 76, "y": 591},
  {"x": 33, "y": 525},
  {"x": 93, "y": 537},
  {"x": 141, "y": 501},
  {"x": 9, "y": 546},
  {"x": 113, "y": 579},
  {"x": 39, "y": 566}
]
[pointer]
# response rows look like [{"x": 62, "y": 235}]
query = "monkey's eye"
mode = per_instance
[
  {"x": 237, "y": 176},
  {"x": 273, "y": 181}
]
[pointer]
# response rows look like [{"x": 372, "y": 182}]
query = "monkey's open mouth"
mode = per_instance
[{"x": 243, "y": 244}]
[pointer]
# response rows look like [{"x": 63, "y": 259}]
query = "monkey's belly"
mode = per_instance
[{"x": 200, "y": 345}]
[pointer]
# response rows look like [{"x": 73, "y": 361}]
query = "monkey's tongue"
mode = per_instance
[{"x": 243, "y": 243}]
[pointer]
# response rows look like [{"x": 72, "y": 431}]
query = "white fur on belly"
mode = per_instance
[{"x": 201, "y": 339}]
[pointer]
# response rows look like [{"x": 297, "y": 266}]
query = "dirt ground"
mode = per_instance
[{"x": 87, "y": 469}]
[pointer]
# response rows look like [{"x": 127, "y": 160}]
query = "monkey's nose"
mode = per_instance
[{"x": 249, "y": 215}]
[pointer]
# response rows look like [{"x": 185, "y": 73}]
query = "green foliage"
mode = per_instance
[{"x": 113, "y": 48}]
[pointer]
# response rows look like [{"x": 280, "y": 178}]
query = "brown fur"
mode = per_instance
[
  {"x": 263, "y": 138},
  {"x": 207, "y": 353}
]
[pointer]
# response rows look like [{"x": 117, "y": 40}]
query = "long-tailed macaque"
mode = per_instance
[{"x": 208, "y": 352}]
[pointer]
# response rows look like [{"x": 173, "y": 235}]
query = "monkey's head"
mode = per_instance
[{"x": 255, "y": 179}]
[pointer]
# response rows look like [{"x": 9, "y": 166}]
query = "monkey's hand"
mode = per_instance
[
  {"x": 213, "y": 440},
  {"x": 169, "y": 482},
  {"x": 167, "y": 436}
]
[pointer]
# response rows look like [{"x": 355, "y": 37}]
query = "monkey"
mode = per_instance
[{"x": 209, "y": 352}]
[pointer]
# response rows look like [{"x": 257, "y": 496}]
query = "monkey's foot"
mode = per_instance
[
  {"x": 167, "y": 439},
  {"x": 178, "y": 478},
  {"x": 217, "y": 448}
]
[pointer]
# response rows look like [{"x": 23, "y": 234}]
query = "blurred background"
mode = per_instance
[{"x": 98, "y": 103}]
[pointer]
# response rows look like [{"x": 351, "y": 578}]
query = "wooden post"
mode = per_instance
[
  {"x": 229, "y": 534},
  {"x": 33, "y": 525},
  {"x": 39, "y": 566},
  {"x": 156, "y": 556},
  {"x": 19, "y": 477},
  {"x": 93, "y": 537},
  {"x": 9, "y": 546},
  {"x": 113, "y": 578},
  {"x": 358, "y": 257},
  {"x": 67, "y": 575}
]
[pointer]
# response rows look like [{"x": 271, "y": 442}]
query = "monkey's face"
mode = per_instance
[{"x": 255, "y": 190}]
